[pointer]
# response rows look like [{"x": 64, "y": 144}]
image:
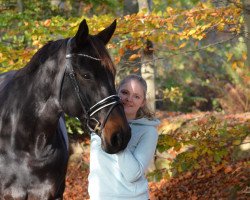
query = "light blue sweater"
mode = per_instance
[{"x": 121, "y": 176}]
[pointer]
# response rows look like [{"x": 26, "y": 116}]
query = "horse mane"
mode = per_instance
[
  {"x": 48, "y": 50},
  {"x": 102, "y": 53},
  {"x": 52, "y": 47}
]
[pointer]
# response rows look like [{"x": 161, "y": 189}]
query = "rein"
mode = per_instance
[{"x": 112, "y": 100}]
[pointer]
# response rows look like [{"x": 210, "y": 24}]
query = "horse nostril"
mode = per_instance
[{"x": 116, "y": 140}]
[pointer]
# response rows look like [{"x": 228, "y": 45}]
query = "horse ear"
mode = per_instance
[
  {"x": 82, "y": 33},
  {"x": 107, "y": 33}
]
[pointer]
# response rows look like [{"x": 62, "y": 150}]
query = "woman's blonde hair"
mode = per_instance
[{"x": 143, "y": 111}]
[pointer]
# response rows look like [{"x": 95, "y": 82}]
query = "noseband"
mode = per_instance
[{"x": 110, "y": 101}]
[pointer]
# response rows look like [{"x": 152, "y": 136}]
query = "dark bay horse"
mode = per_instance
[{"x": 73, "y": 76}]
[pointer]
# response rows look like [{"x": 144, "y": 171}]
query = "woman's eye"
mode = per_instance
[{"x": 124, "y": 92}]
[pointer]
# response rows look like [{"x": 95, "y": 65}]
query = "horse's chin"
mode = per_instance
[{"x": 111, "y": 149}]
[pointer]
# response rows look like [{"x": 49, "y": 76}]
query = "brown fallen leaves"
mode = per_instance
[
  {"x": 231, "y": 182},
  {"x": 76, "y": 183}
]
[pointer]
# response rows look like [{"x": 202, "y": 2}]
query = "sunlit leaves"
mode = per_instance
[
  {"x": 174, "y": 94},
  {"x": 166, "y": 142},
  {"x": 204, "y": 145},
  {"x": 162, "y": 28}
]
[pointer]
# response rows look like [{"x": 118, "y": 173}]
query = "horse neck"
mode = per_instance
[{"x": 33, "y": 98}]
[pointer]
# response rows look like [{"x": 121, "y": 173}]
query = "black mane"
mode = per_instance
[
  {"x": 52, "y": 47},
  {"x": 103, "y": 54},
  {"x": 39, "y": 58}
]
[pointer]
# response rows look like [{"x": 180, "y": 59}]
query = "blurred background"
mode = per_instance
[{"x": 195, "y": 57}]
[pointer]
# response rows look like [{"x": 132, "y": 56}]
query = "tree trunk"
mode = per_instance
[
  {"x": 147, "y": 59},
  {"x": 246, "y": 8},
  {"x": 127, "y": 67},
  {"x": 20, "y": 6},
  {"x": 60, "y": 4},
  {"x": 148, "y": 73},
  {"x": 130, "y": 7},
  {"x": 145, "y": 4},
  {"x": 148, "y": 69}
]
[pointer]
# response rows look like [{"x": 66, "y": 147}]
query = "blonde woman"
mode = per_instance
[{"x": 121, "y": 176}]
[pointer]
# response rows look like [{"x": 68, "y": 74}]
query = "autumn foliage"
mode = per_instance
[
  {"x": 200, "y": 56},
  {"x": 223, "y": 183},
  {"x": 174, "y": 30},
  {"x": 226, "y": 182}
]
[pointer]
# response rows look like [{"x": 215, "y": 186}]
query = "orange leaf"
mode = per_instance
[
  {"x": 134, "y": 56},
  {"x": 228, "y": 169},
  {"x": 183, "y": 45},
  {"x": 47, "y": 22},
  {"x": 121, "y": 51}
]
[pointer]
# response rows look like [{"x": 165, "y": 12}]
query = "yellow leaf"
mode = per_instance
[
  {"x": 183, "y": 37},
  {"x": 229, "y": 56},
  {"x": 169, "y": 10},
  {"x": 170, "y": 26},
  {"x": 234, "y": 65},
  {"x": 191, "y": 32},
  {"x": 240, "y": 64},
  {"x": 101, "y": 28},
  {"x": 244, "y": 55},
  {"x": 183, "y": 45},
  {"x": 179, "y": 169},
  {"x": 200, "y": 37},
  {"x": 236, "y": 142},
  {"x": 35, "y": 43},
  {"x": 221, "y": 26},
  {"x": 195, "y": 154}
]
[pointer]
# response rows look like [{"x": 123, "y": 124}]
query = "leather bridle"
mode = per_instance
[{"x": 88, "y": 114}]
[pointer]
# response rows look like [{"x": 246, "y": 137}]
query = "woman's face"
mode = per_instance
[{"x": 132, "y": 97}]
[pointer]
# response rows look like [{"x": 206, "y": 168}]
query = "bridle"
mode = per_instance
[{"x": 88, "y": 115}]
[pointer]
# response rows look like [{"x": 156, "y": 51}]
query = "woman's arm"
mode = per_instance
[{"x": 133, "y": 165}]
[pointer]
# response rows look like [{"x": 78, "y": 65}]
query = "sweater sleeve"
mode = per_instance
[{"x": 133, "y": 165}]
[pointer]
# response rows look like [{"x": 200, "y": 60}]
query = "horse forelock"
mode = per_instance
[{"x": 103, "y": 54}]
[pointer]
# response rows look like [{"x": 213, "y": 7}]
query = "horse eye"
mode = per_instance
[{"x": 86, "y": 76}]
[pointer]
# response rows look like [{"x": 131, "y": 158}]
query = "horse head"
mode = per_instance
[{"x": 88, "y": 88}]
